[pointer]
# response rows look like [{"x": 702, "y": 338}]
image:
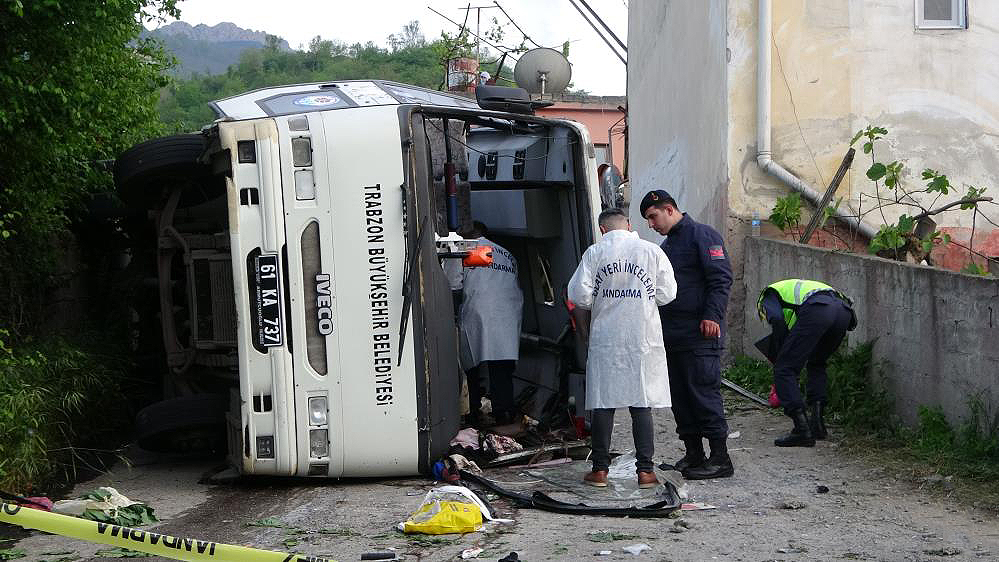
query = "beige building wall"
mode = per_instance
[{"x": 839, "y": 65}]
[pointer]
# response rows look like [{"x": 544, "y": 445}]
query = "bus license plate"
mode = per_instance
[{"x": 270, "y": 332}]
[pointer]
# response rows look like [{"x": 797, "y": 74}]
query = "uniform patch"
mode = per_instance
[{"x": 716, "y": 252}]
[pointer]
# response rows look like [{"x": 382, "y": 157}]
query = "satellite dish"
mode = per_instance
[{"x": 542, "y": 71}]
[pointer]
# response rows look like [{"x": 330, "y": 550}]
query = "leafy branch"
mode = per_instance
[{"x": 913, "y": 235}]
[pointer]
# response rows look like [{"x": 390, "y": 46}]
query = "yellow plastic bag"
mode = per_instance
[
  {"x": 448, "y": 509},
  {"x": 443, "y": 517}
]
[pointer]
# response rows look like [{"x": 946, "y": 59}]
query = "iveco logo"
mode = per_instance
[{"x": 323, "y": 303}]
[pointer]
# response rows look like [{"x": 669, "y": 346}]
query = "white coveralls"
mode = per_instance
[
  {"x": 491, "y": 309},
  {"x": 623, "y": 280}
]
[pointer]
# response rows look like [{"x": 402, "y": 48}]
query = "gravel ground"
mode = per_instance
[{"x": 770, "y": 510}]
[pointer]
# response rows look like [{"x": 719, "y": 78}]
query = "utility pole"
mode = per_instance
[{"x": 478, "y": 22}]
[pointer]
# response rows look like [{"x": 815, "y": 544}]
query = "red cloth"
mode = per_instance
[{"x": 47, "y": 503}]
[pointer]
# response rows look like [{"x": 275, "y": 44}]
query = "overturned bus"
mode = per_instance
[{"x": 293, "y": 252}]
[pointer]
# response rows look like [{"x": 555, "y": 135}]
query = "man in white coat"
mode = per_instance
[
  {"x": 618, "y": 288},
  {"x": 489, "y": 320}
]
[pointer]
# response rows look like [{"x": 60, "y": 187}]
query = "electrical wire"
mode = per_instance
[
  {"x": 507, "y": 50},
  {"x": 597, "y": 30},
  {"x": 605, "y": 26},
  {"x": 526, "y": 36}
]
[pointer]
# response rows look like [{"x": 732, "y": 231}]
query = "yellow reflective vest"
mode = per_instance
[{"x": 792, "y": 293}]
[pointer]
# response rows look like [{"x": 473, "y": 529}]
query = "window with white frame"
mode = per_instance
[{"x": 941, "y": 14}]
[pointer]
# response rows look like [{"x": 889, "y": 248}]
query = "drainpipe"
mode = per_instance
[{"x": 764, "y": 157}]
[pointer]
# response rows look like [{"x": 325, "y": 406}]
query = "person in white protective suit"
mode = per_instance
[
  {"x": 489, "y": 321},
  {"x": 617, "y": 289}
]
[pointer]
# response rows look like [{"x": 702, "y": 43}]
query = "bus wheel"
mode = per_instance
[
  {"x": 145, "y": 173},
  {"x": 190, "y": 424}
]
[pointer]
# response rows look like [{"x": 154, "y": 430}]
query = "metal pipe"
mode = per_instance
[{"x": 764, "y": 156}]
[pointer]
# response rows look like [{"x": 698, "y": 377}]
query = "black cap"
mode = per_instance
[{"x": 655, "y": 197}]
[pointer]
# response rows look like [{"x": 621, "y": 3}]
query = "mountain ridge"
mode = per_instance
[{"x": 219, "y": 33}]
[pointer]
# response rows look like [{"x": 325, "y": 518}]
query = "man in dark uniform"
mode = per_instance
[
  {"x": 693, "y": 331},
  {"x": 808, "y": 320}
]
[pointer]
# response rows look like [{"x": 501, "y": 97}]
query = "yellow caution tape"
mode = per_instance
[{"x": 176, "y": 548}]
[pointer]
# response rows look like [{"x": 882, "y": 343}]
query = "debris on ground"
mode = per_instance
[
  {"x": 502, "y": 444},
  {"x": 382, "y": 555},
  {"x": 443, "y": 512},
  {"x": 945, "y": 551},
  {"x": 107, "y": 505},
  {"x": 33, "y": 502},
  {"x": 822, "y": 489},
  {"x": 464, "y": 464},
  {"x": 471, "y": 553},
  {"x": 609, "y": 536},
  {"x": 121, "y": 552},
  {"x": 269, "y": 522},
  {"x": 697, "y": 506},
  {"x": 604, "y": 552},
  {"x": 946, "y": 482},
  {"x": 681, "y": 526},
  {"x": 12, "y": 553},
  {"x": 637, "y": 549},
  {"x": 553, "y": 462},
  {"x": 449, "y": 509},
  {"x": 735, "y": 435},
  {"x": 792, "y": 504},
  {"x": 532, "y": 454},
  {"x": 512, "y": 557}
]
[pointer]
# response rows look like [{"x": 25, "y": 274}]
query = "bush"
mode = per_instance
[
  {"x": 750, "y": 373},
  {"x": 970, "y": 450},
  {"x": 860, "y": 403},
  {"x": 857, "y": 397},
  {"x": 55, "y": 398}
]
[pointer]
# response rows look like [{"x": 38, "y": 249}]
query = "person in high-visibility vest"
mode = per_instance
[{"x": 809, "y": 320}]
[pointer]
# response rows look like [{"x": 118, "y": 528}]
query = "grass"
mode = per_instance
[
  {"x": 861, "y": 406},
  {"x": 57, "y": 401}
]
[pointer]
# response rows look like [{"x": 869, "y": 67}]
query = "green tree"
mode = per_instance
[
  {"x": 411, "y": 60},
  {"x": 78, "y": 86}
]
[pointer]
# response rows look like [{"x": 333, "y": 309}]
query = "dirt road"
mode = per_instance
[{"x": 770, "y": 510}]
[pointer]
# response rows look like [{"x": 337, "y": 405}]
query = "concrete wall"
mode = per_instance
[
  {"x": 677, "y": 118},
  {"x": 839, "y": 65},
  {"x": 936, "y": 330}
]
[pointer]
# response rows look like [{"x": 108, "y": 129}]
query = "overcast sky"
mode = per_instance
[{"x": 549, "y": 22}]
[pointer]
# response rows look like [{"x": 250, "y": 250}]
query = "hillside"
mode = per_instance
[{"x": 204, "y": 49}]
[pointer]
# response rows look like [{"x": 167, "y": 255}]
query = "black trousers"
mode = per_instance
[
  {"x": 695, "y": 390},
  {"x": 500, "y": 388},
  {"x": 818, "y": 332},
  {"x": 601, "y": 427}
]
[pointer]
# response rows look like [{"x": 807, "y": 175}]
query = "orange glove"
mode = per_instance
[{"x": 479, "y": 256}]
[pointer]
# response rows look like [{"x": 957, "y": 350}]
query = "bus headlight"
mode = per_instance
[
  {"x": 317, "y": 410},
  {"x": 319, "y": 445},
  {"x": 301, "y": 152},
  {"x": 305, "y": 185}
]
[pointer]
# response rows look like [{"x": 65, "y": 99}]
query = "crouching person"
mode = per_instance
[{"x": 617, "y": 289}]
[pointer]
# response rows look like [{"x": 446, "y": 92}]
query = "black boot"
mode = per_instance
[
  {"x": 816, "y": 423},
  {"x": 718, "y": 465},
  {"x": 800, "y": 435},
  {"x": 693, "y": 456}
]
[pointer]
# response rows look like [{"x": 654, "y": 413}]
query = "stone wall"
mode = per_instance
[{"x": 937, "y": 331}]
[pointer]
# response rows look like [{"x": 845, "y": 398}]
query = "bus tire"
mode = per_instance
[
  {"x": 190, "y": 424},
  {"x": 144, "y": 173}
]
